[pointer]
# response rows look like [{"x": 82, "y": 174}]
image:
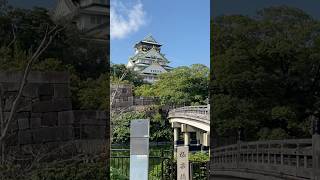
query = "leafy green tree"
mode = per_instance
[
  {"x": 181, "y": 86},
  {"x": 269, "y": 64},
  {"x": 118, "y": 70},
  {"x": 94, "y": 94},
  {"x": 160, "y": 129},
  {"x": 28, "y": 26}
]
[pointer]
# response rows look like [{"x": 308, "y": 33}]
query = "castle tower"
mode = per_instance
[
  {"x": 148, "y": 60},
  {"x": 90, "y": 16}
]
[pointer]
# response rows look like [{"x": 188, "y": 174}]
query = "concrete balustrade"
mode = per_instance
[
  {"x": 274, "y": 159},
  {"x": 191, "y": 119}
]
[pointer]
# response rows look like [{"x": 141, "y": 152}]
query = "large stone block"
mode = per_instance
[
  {"x": 36, "y": 77},
  {"x": 36, "y": 115},
  {"x": 24, "y": 137},
  {"x": 10, "y": 76},
  {"x": 46, "y": 89},
  {"x": 24, "y": 104},
  {"x": 101, "y": 115},
  {"x": 67, "y": 133},
  {"x": 52, "y": 134},
  {"x": 61, "y": 91},
  {"x": 35, "y": 123},
  {"x": 9, "y": 86},
  {"x": 91, "y": 146},
  {"x": 13, "y": 126},
  {"x": 89, "y": 117},
  {"x": 99, "y": 122},
  {"x": 49, "y": 119},
  {"x": 58, "y": 77},
  {"x": 23, "y": 123},
  {"x": 93, "y": 132},
  {"x": 8, "y": 103},
  {"x": 52, "y": 105},
  {"x": 31, "y": 90},
  {"x": 65, "y": 118},
  {"x": 84, "y": 114},
  {"x": 42, "y": 135},
  {"x": 12, "y": 139},
  {"x": 18, "y": 115}
]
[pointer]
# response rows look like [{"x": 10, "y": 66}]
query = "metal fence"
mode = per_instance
[{"x": 162, "y": 165}]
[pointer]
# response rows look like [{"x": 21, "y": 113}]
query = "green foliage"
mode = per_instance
[
  {"x": 199, "y": 157},
  {"x": 266, "y": 73},
  {"x": 73, "y": 171},
  {"x": 57, "y": 171},
  {"x": 156, "y": 172},
  {"x": 160, "y": 129},
  {"x": 121, "y": 126},
  {"x": 117, "y": 71},
  {"x": 115, "y": 174},
  {"x": 183, "y": 85},
  {"x": 85, "y": 60},
  {"x": 275, "y": 134},
  {"x": 94, "y": 94}
]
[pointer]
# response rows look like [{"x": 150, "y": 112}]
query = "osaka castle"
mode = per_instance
[
  {"x": 148, "y": 60},
  {"x": 90, "y": 16}
]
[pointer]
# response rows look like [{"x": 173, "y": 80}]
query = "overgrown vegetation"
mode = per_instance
[
  {"x": 86, "y": 63},
  {"x": 160, "y": 130},
  {"x": 265, "y": 73},
  {"x": 181, "y": 86}
]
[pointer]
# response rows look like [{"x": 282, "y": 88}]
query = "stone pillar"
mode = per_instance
[
  {"x": 186, "y": 138},
  {"x": 199, "y": 138},
  {"x": 175, "y": 136},
  {"x": 206, "y": 139}
]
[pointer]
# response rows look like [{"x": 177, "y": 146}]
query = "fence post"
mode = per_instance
[
  {"x": 238, "y": 154},
  {"x": 316, "y": 156},
  {"x": 162, "y": 159},
  {"x": 191, "y": 170}
]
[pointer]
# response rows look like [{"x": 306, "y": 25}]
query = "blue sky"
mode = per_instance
[
  {"x": 250, "y": 7},
  {"x": 183, "y": 27}
]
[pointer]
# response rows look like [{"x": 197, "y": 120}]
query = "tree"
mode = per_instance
[
  {"x": 272, "y": 64},
  {"x": 117, "y": 71},
  {"x": 160, "y": 130},
  {"x": 67, "y": 47},
  {"x": 94, "y": 94},
  {"x": 181, "y": 86}
]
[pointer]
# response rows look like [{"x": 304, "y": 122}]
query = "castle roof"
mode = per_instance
[{"x": 152, "y": 54}]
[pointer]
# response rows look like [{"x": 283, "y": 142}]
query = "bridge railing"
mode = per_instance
[
  {"x": 291, "y": 158},
  {"x": 202, "y": 112}
]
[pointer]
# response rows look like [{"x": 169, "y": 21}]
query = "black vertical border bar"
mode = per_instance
[
  {"x": 211, "y": 90},
  {"x": 108, "y": 130}
]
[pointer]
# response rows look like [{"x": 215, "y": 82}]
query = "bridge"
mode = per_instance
[
  {"x": 189, "y": 121},
  {"x": 274, "y": 159}
]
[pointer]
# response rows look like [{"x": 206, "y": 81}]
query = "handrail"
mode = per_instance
[
  {"x": 292, "y": 157},
  {"x": 202, "y": 112}
]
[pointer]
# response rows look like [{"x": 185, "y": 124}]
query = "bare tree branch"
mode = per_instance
[
  {"x": 14, "y": 36},
  {"x": 46, "y": 41}
]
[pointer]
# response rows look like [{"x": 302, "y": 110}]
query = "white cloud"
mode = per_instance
[{"x": 125, "y": 19}]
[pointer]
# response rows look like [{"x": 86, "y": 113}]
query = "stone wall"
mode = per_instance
[
  {"x": 124, "y": 97},
  {"x": 45, "y": 114}
]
